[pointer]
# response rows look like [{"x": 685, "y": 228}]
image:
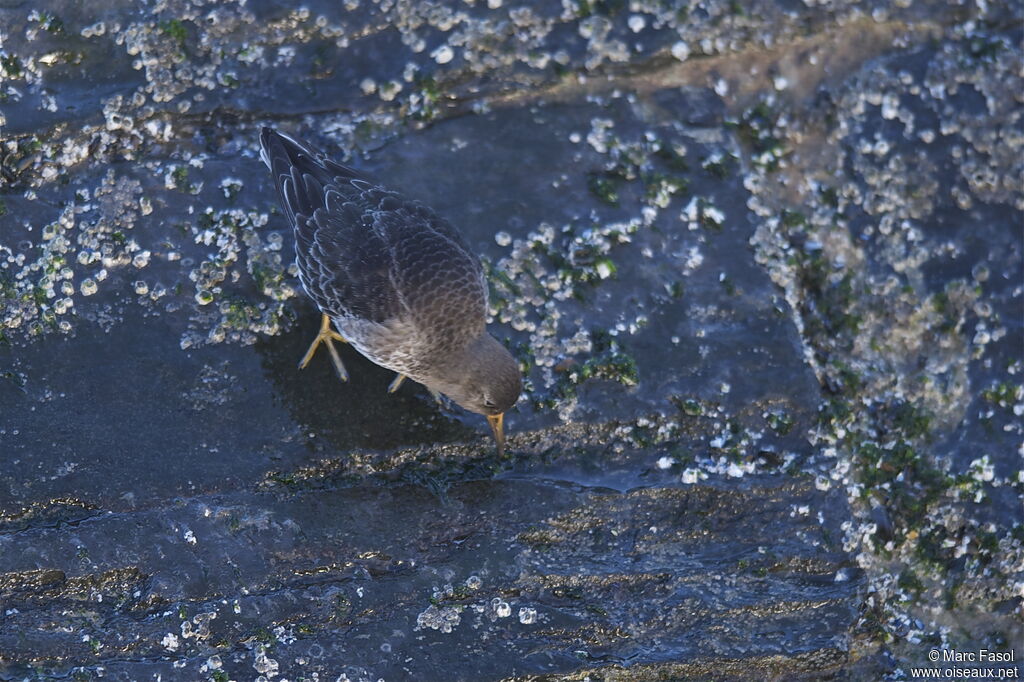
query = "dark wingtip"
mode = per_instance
[
  {"x": 290, "y": 148},
  {"x": 267, "y": 136}
]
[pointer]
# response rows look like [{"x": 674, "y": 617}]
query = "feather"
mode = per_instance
[{"x": 397, "y": 279}]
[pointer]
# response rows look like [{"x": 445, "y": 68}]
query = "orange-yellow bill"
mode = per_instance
[{"x": 497, "y": 422}]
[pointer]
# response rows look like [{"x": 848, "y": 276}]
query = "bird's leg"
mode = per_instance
[
  {"x": 399, "y": 378},
  {"x": 328, "y": 336}
]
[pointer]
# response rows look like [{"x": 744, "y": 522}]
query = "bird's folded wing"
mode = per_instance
[{"x": 345, "y": 265}]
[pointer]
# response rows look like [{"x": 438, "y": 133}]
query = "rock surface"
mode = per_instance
[{"x": 761, "y": 265}]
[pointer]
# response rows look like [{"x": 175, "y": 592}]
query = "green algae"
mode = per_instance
[{"x": 604, "y": 186}]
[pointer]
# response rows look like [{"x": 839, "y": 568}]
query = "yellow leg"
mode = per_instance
[
  {"x": 327, "y": 336},
  {"x": 399, "y": 378},
  {"x": 395, "y": 383}
]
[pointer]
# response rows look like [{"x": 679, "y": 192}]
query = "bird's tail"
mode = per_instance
[
  {"x": 282, "y": 152},
  {"x": 275, "y": 145}
]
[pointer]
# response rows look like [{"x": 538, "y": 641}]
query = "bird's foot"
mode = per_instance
[
  {"x": 327, "y": 336},
  {"x": 396, "y": 382}
]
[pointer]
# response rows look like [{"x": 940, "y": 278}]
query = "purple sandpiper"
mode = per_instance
[{"x": 396, "y": 280}]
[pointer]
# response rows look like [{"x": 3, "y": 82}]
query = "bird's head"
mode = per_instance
[{"x": 483, "y": 378}]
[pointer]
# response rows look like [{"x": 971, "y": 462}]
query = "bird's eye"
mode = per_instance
[{"x": 489, "y": 403}]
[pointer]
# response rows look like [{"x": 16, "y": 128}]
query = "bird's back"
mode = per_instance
[{"x": 397, "y": 279}]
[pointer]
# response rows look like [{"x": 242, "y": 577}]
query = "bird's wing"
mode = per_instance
[
  {"x": 437, "y": 277},
  {"x": 367, "y": 252},
  {"x": 302, "y": 174},
  {"x": 345, "y": 266},
  {"x": 343, "y": 263}
]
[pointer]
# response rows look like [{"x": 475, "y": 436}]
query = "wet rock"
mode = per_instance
[{"x": 757, "y": 263}]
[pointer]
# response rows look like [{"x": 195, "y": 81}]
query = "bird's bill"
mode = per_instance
[{"x": 497, "y": 422}]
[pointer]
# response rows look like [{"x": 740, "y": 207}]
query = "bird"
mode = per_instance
[{"x": 393, "y": 279}]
